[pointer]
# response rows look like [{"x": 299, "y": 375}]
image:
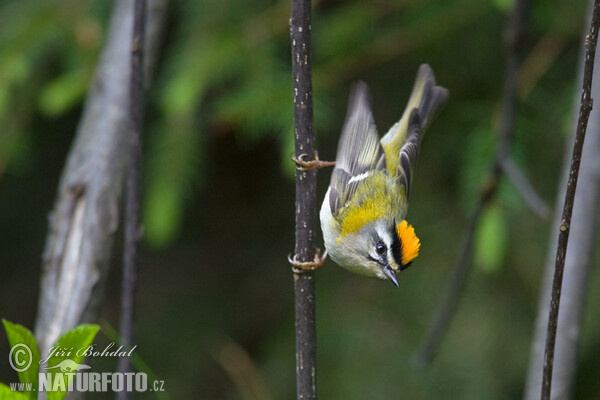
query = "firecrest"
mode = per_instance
[{"x": 363, "y": 214}]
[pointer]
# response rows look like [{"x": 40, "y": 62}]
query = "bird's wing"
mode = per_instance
[
  {"x": 401, "y": 143},
  {"x": 359, "y": 150},
  {"x": 409, "y": 151}
]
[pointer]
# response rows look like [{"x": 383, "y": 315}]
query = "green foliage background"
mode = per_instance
[{"x": 215, "y": 300}]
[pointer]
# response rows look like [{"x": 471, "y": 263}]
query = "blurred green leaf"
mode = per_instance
[
  {"x": 260, "y": 107},
  {"x": 476, "y": 159},
  {"x": 25, "y": 354},
  {"x": 205, "y": 62},
  {"x": 14, "y": 67},
  {"x": 162, "y": 213},
  {"x": 491, "y": 240},
  {"x": 64, "y": 92},
  {"x": 75, "y": 340},
  {"x": 504, "y": 5},
  {"x": 346, "y": 29},
  {"x": 174, "y": 164}
]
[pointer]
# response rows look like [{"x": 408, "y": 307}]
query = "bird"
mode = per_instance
[{"x": 364, "y": 210}]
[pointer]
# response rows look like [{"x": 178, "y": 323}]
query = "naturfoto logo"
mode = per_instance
[{"x": 62, "y": 370}]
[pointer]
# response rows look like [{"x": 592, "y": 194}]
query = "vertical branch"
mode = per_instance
[
  {"x": 563, "y": 236},
  {"x": 132, "y": 197},
  {"x": 86, "y": 213},
  {"x": 304, "y": 286},
  {"x": 578, "y": 260}
]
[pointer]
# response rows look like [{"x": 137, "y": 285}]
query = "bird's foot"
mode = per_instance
[
  {"x": 302, "y": 164},
  {"x": 300, "y": 267}
]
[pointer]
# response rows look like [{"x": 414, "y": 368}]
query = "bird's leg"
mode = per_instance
[
  {"x": 302, "y": 164},
  {"x": 300, "y": 267}
]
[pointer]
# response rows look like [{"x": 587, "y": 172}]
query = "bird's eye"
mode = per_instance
[{"x": 380, "y": 248}]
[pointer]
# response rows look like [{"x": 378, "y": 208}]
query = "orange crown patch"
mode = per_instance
[{"x": 409, "y": 241}]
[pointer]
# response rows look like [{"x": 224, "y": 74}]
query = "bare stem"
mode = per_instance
[
  {"x": 525, "y": 189},
  {"x": 306, "y": 202},
  {"x": 515, "y": 31},
  {"x": 563, "y": 236},
  {"x": 132, "y": 198},
  {"x": 448, "y": 306}
]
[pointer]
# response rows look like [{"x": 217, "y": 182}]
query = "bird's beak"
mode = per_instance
[{"x": 390, "y": 274}]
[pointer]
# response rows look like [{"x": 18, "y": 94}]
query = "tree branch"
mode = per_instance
[
  {"x": 515, "y": 32},
  {"x": 306, "y": 205},
  {"x": 525, "y": 189},
  {"x": 132, "y": 193},
  {"x": 578, "y": 260},
  {"x": 448, "y": 307},
  {"x": 565, "y": 224},
  {"x": 86, "y": 213}
]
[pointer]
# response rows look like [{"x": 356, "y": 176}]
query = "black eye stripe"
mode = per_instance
[{"x": 396, "y": 246}]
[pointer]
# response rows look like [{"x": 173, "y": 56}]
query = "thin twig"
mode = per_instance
[
  {"x": 515, "y": 32},
  {"x": 563, "y": 236},
  {"x": 525, "y": 189},
  {"x": 579, "y": 260},
  {"x": 306, "y": 201},
  {"x": 242, "y": 370},
  {"x": 453, "y": 292},
  {"x": 132, "y": 196}
]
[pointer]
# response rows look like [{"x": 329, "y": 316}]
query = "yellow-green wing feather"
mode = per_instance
[{"x": 359, "y": 150}]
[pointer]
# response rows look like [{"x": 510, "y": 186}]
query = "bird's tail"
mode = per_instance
[{"x": 427, "y": 99}]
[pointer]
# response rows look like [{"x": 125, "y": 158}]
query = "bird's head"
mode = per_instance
[{"x": 381, "y": 248}]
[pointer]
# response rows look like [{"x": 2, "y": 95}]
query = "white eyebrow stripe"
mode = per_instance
[
  {"x": 359, "y": 177},
  {"x": 384, "y": 234}
]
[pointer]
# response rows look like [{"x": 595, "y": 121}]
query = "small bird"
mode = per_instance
[{"x": 363, "y": 214}]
